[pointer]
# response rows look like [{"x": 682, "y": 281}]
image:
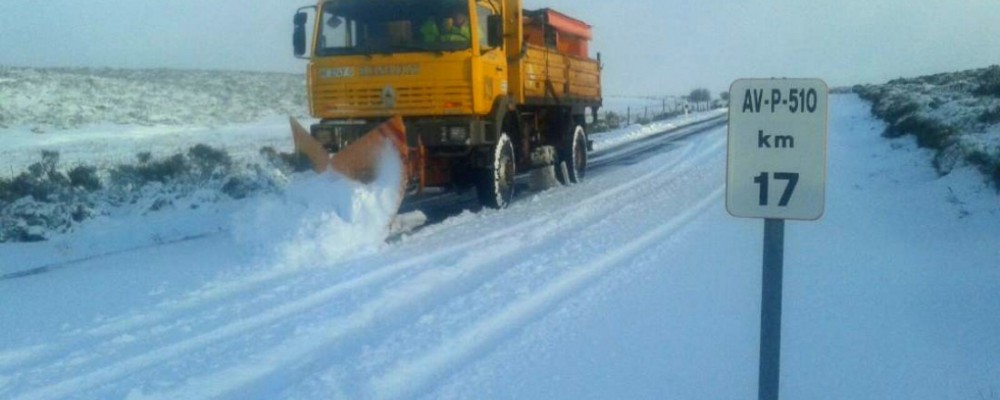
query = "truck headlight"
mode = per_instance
[{"x": 457, "y": 134}]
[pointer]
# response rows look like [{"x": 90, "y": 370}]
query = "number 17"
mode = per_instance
[{"x": 762, "y": 180}]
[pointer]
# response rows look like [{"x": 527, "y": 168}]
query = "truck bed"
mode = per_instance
[{"x": 550, "y": 76}]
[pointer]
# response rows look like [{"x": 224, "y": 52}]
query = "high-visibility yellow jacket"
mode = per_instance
[
  {"x": 456, "y": 34},
  {"x": 429, "y": 32}
]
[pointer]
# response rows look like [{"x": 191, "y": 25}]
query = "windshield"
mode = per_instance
[{"x": 369, "y": 27}]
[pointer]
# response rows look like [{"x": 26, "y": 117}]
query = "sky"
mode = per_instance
[{"x": 649, "y": 47}]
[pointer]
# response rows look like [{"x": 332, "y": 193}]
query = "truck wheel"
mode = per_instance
[
  {"x": 572, "y": 165},
  {"x": 496, "y": 183}
]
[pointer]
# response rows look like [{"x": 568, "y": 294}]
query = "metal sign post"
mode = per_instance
[
  {"x": 770, "y": 309},
  {"x": 776, "y": 170}
]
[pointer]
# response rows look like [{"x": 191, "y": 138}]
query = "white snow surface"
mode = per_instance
[
  {"x": 53, "y": 99},
  {"x": 632, "y": 284}
]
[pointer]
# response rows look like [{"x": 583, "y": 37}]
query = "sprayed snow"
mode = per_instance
[{"x": 323, "y": 219}]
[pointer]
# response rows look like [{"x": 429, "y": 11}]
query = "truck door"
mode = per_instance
[{"x": 493, "y": 62}]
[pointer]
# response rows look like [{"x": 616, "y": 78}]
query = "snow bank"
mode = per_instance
[
  {"x": 322, "y": 219},
  {"x": 957, "y": 114}
]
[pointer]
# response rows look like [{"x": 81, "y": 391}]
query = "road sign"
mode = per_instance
[{"x": 777, "y": 148}]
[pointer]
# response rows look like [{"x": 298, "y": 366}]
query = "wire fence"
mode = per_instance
[{"x": 619, "y": 111}]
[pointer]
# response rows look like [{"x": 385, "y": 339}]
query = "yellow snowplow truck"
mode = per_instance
[{"x": 469, "y": 92}]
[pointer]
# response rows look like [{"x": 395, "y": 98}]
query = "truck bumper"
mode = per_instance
[{"x": 451, "y": 132}]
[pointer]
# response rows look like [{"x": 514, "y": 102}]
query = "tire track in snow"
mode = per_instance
[
  {"x": 408, "y": 379},
  {"x": 107, "y": 335},
  {"x": 649, "y": 143},
  {"x": 361, "y": 319},
  {"x": 55, "y": 266},
  {"x": 206, "y": 298},
  {"x": 440, "y": 351},
  {"x": 398, "y": 306}
]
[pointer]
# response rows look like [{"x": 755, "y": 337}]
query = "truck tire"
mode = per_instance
[
  {"x": 496, "y": 183},
  {"x": 572, "y": 164}
]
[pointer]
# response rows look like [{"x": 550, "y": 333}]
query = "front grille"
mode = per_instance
[{"x": 365, "y": 100}]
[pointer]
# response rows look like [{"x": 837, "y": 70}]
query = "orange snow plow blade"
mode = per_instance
[{"x": 360, "y": 160}]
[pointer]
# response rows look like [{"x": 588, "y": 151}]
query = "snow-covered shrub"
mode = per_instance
[
  {"x": 930, "y": 133},
  {"x": 288, "y": 162},
  {"x": 210, "y": 162},
  {"x": 991, "y": 116},
  {"x": 894, "y": 112},
  {"x": 31, "y": 220},
  {"x": 44, "y": 201},
  {"x": 996, "y": 177},
  {"x": 147, "y": 170},
  {"x": 989, "y": 82},
  {"x": 41, "y": 181},
  {"x": 989, "y": 164},
  {"x": 200, "y": 163},
  {"x": 84, "y": 177}
]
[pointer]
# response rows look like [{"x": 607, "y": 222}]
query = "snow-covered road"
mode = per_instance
[{"x": 633, "y": 284}]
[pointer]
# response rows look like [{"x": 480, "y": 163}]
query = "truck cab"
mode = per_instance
[{"x": 459, "y": 72}]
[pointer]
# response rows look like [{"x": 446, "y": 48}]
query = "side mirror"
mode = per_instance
[
  {"x": 300, "y": 18},
  {"x": 299, "y": 35},
  {"x": 494, "y": 31}
]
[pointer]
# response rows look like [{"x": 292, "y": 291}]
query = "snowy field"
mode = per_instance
[
  {"x": 104, "y": 117},
  {"x": 632, "y": 284},
  {"x": 45, "y": 100}
]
